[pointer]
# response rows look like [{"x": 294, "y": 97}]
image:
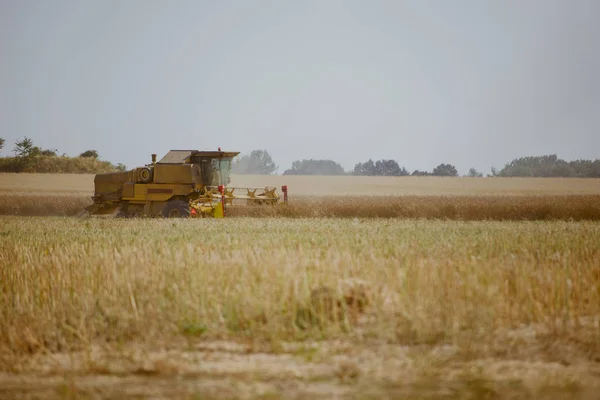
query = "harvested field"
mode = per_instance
[
  {"x": 422, "y": 186},
  {"x": 59, "y": 184},
  {"x": 47, "y": 184},
  {"x": 305, "y": 308}
]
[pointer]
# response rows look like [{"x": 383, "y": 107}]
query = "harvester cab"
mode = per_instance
[{"x": 183, "y": 183}]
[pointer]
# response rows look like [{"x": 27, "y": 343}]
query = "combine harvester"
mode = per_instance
[{"x": 184, "y": 183}]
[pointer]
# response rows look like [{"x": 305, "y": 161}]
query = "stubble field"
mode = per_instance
[{"x": 334, "y": 304}]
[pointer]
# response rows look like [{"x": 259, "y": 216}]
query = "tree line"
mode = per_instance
[
  {"x": 31, "y": 158},
  {"x": 261, "y": 162},
  {"x": 550, "y": 166}
]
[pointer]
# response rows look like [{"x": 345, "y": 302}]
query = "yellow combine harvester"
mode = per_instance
[{"x": 184, "y": 183}]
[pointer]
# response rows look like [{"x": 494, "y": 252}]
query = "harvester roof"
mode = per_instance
[{"x": 185, "y": 156}]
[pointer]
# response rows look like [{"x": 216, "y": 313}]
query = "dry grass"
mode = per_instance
[
  {"x": 463, "y": 208},
  {"x": 448, "y": 309}
]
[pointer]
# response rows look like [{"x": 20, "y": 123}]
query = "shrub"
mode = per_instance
[
  {"x": 54, "y": 164},
  {"x": 89, "y": 154}
]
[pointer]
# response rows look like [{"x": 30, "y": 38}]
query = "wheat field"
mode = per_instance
[
  {"x": 83, "y": 184},
  {"x": 348, "y": 197},
  {"x": 455, "y": 295}
]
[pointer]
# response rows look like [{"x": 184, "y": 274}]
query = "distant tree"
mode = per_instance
[
  {"x": 494, "y": 171},
  {"x": 578, "y": 168},
  {"x": 543, "y": 166},
  {"x": 390, "y": 168},
  {"x": 594, "y": 169},
  {"x": 445, "y": 170},
  {"x": 25, "y": 148},
  {"x": 315, "y": 167},
  {"x": 121, "y": 167},
  {"x": 367, "y": 168},
  {"x": 379, "y": 168},
  {"x": 473, "y": 173},
  {"x": 550, "y": 166},
  {"x": 257, "y": 162},
  {"x": 416, "y": 172},
  {"x": 2, "y": 141},
  {"x": 89, "y": 154},
  {"x": 583, "y": 168},
  {"x": 562, "y": 169}
]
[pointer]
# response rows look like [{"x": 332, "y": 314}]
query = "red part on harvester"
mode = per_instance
[{"x": 284, "y": 189}]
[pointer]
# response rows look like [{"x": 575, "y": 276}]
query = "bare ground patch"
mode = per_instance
[{"x": 330, "y": 369}]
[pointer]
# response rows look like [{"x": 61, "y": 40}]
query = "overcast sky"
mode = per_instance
[{"x": 467, "y": 82}]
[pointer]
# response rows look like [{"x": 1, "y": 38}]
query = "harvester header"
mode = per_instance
[{"x": 184, "y": 183}]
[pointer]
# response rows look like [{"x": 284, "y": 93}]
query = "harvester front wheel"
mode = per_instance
[{"x": 176, "y": 209}]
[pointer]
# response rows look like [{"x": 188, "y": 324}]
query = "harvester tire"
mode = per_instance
[
  {"x": 145, "y": 175},
  {"x": 176, "y": 209}
]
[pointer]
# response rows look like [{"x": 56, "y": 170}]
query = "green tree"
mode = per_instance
[
  {"x": 257, "y": 162},
  {"x": 445, "y": 170},
  {"x": 89, "y": 154},
  {"x": 594, "y": 169},
  {"x": 315, "y": 167},
  {"x": 546, "y": 166},
  {"x": 366, "y": 168},
  {"x": 2, "y": 141},
  {"x": 379, "y": 168},
  {"x": 416, "y": 172},
  {"x": 25, "y": 148},
  {"x": 390, "y": 168},
  {"x": 473, "y": 173}
]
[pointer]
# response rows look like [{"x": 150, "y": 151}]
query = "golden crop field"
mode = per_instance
[
  {"x": 377, "y": 293},
  {"x": 57, "y": 184},
  {"x": 349, "y": 196}
]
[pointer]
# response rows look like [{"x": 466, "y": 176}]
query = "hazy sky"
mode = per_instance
[{"x": 472, "y": 83}]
